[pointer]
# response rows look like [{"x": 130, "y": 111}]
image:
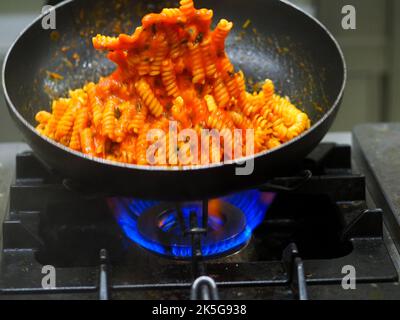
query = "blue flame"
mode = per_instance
[{"x": 253, "y": 204}]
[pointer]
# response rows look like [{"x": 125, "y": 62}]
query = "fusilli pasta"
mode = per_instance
[{"x": 172, "y": 68}]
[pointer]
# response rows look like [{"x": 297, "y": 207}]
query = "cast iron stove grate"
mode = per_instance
[{"x": 318, "y": 224}]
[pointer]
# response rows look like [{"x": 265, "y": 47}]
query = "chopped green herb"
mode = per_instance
[
  {"x": 199, "y": 38},
  {"x": 154, "y": 29},
  {"x": 117, "y": 113}
]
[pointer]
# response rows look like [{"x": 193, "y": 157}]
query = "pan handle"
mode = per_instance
[
  {"x": 276, "y": 185},
  {"x": 84, "y": 191},
  {"x": 286, "y": 184}
]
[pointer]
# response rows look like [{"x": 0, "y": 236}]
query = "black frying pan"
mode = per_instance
[{"x": 282, "y": 43}]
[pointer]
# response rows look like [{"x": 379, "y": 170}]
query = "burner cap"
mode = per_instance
[{"x": 160, "y": 225}]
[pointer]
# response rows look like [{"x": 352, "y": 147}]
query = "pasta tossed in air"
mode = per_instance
[{"x": 173, "y": 68}]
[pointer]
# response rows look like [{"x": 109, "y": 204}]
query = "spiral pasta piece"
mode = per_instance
[
  {"x": 280, "y": 131},
  {"x": 128, "y": 151},
  {"x": 162, "y": 51},
  {"x": 205, "y": 15},
  {"x": 268, "y": 90},
  {"x": 240, "y": 120},
  {"x": 273, "y": 143},
  {"x": 220, "y": 120},
  {"x": 124, "y": 113},
  {"x": 109, "y": 120},
  {"x": 169, "y": 79},
  {"x": 221, "y": 93},
  {"x": 260, "y": 139},
  {"x": 187, "y": 7},
  {"x": 176, "y": 47},
  {"x": 58, "y": 109},
  {"x": 138, "y": 121},
  {"x": 43, "y": 117},
  {"x": 149, "y": 99},
  {"x": 81, "y": 122},
  {"x": 211, "y": 104},
  {"x": 64, "y": 127},
  {"x": 171, "y": 12},
  {"x": 179, "y": 113},
  {"x": 101, "y": 42},
  {"x": 221, "y": 33},
  {"x": 87, "y": 142},
  {"x": 197, "y": 64},
  {"x": 143, "y": 67},
  {"x": 200, "y": 111},
  {"x": 95, "y": 104},
  {"x": 228, "y": 73},
  {"x": 209, "y": 59},
  {"x": 302, "y": 123},
  {"x": 100, "y": 144},
  {"x": 248, "y": 108}
]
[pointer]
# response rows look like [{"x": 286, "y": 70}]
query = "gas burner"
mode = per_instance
[
  {"x": 226, "y": 225},
  {"x": 316, "y": 225},
  {"x": 164, "y": 225}
]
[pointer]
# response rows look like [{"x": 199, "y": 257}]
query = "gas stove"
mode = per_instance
[{"x": 306, "y": 236}]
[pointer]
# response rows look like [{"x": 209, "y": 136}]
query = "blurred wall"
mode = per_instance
[
  {"x": 372, "y": 51},
  {"x": 15, "y": 15},
  {"x": 370, "y": 54}
]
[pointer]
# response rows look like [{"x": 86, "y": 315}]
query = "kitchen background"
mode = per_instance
[{"x": 372, "y": 51}]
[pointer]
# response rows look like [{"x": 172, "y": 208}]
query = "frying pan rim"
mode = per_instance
[{"x": 165, "y": 169}]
